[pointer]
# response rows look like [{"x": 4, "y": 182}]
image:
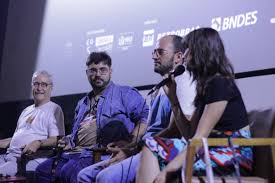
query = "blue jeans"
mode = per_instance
[
  {"x": 67, "y": 168},
  {"x": 112, "y": 174}
]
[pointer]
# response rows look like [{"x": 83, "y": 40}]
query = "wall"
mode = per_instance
[{"x": 58, "y": 35}]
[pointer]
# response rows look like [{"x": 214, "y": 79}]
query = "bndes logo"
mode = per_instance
[
  {"x": 234, "y": 22},
  {"x": 216, "y": 23}
]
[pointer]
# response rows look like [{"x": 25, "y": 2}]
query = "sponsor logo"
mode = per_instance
[
  {"x": 104, "y": 43},
  {"x": 236, "y": 21},
  {"x": 95, "y": 32},
  {"x": 100, "y": 43},
  {"x": 148, "y": 38},
  {"x": 68, "y": 48},
  {"x": 180, "y": 32},
  {"x": 125, "y": 40},
  {"x": 216, "y": 23},
  {"x": 68, "y": 44},
  {"x": 90, "y": 41},
  {"x": 149, "y": 22},
  {"x": 89, "y": 45},
  {"x": 104, "y": 40}
]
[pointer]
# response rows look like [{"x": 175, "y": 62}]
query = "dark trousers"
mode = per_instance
[
  {"x": 67, "y": 168},
  {"x": 69, "y": 165}
]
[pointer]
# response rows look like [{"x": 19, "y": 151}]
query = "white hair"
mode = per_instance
[{"x": 43, "y": 73}]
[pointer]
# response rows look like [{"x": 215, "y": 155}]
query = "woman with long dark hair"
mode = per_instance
[{"x": 220, "y": 112}]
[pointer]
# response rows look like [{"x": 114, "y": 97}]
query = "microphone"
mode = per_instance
[{"x": 178, "y": 71}]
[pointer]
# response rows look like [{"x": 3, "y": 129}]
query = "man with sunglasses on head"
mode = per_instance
[
  {"x": 167, "y": 56},
  {"x": 108, "y": 115},
  {"x": 39, "y": 125}
]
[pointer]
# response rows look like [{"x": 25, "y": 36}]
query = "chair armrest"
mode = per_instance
[
  {"x": 224, "y": 142},
  {"x": 12, "y": 178},
  {"x": 44, "y": 152},
  {"x": 235, "y": 141}
]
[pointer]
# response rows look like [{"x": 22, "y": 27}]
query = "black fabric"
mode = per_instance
[
  {"x": 112, "y": 132},
  {"x": 235, "y": 115}
]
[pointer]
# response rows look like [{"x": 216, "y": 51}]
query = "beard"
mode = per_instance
[
  {"x": 99, "y": 83},
  {"x": 163, "y": 68}
]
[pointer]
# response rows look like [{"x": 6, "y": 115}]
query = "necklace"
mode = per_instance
[{"x": 93, "y": 105}]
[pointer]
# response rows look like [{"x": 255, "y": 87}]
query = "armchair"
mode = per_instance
[
  {"x": 23, "y": 175},
  {"x": 223, "y": 141},
  {"x": 262, "y": 126}
]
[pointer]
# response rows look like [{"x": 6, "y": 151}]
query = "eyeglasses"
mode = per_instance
[
  {"x": 93, "y": 71},
  {"x": 159, "y": 52},
  {"x": 42, "y": 84}
]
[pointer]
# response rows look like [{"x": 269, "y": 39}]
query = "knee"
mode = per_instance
[
  {"x": 83, "y": 176},
  {"x": 89, "y": 174},
  {"x": 107, "y": 176},
  {"x": 103, "y": 178}
]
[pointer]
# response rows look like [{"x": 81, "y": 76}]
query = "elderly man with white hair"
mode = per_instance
[{"x": 39, "y": 125}]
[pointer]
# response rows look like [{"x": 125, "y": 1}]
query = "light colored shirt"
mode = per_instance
[
  {"x": 186, "y": 92},
  {"x": 37, "y": 123},
  {"x": 160, "y": 111}
]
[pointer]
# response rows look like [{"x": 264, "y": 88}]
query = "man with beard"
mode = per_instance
[
  {"x": 108, "y": 113},
  {"x": 167, "y": 56},
  {"x": 39, "y": 125}
]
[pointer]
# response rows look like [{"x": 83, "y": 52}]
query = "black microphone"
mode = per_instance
[{"x": 178, "y": 71}]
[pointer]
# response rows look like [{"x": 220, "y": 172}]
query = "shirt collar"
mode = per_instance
[{"x": 104, "y": 93}]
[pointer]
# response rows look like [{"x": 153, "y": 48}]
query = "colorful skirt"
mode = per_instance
[{"x": 221, "y": 156}]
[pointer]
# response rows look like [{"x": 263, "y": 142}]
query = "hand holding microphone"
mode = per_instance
[{"x": 178, "y": 71}]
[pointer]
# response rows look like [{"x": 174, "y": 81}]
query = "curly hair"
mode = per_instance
[{"x": 98, "y": 57}]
